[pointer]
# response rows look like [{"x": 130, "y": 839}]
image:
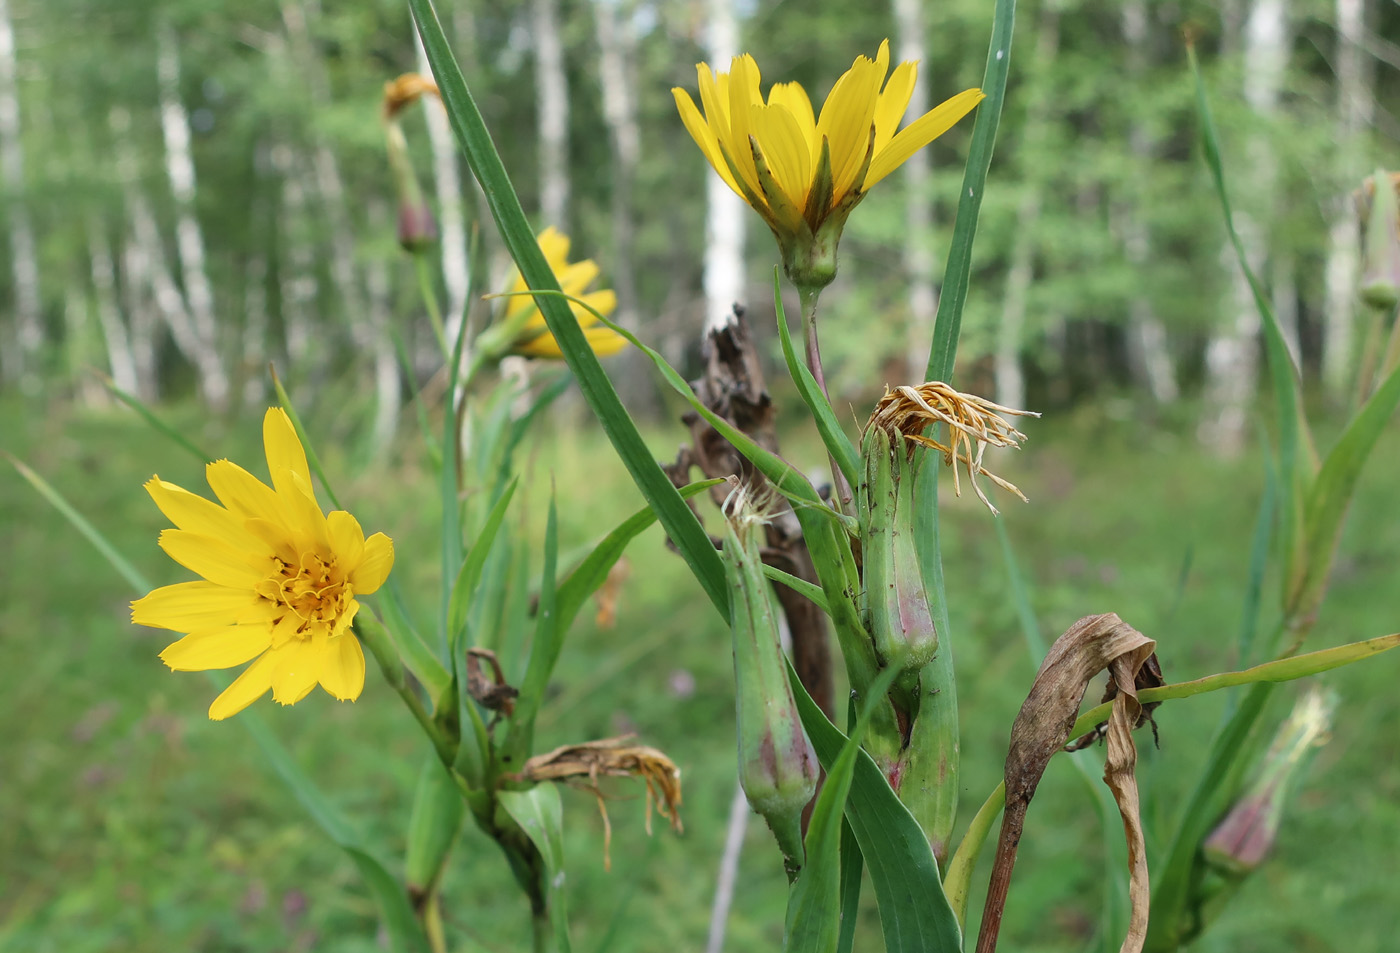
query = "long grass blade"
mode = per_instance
[{"x": 160, "y": 426}]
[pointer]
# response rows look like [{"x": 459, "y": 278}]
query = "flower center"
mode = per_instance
[{"x": 311, "y": 592}]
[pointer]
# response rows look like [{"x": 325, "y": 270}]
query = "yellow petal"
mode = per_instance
[
  {"x": 786, "y": 151},
  {"x": 217, "y": 648},
  {"x": 215, "y": 560},
  {"x": 246, "y": 689},
  {"x": 846, "y": 119},
  {"x": 285, "y": 453},
  {"x": 704, "y": 137},
  {"x": 307, "y": 520},
  {"x": 555, "y": 246},
  {"x": 374, "y": 568},
  {"x": 297, "y": 667},
  {"x": 894, "y": 100},
  {"x": 743, "y": 93},
  {"x": 187, "y": 606},
  {"x": 920, "y": 133},
  {"x": 605, "y": 341},
  {"x": 793, "y": 98},
  {"x": 347, "y": 539},
  {"x": 244, "y": 494},
  {"x": 714, "y": 97},
  {"x": 574, "y": 278},
  {"x": 191, "y": 512},
  {"x": 343, "y": 671},
  {"x": 603, "y": 301}
]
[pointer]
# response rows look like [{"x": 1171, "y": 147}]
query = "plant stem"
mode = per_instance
[
  {"x": 808, "y": 296},
  {"x": 541, "y": 932},
  {"x": 430, "y": 301}
]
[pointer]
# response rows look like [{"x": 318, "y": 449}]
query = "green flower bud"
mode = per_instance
[
  {"x": 1380, "y": 276},
  {"x": 900, "y": 617},
  {"x": 777, "y": 766}
]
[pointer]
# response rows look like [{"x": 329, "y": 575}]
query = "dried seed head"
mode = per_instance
[
  {"x": 404, "y": 91},
  {"x": 974, "y": 424}
]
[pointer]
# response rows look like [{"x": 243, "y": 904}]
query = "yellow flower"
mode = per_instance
[
  {"x": 804, "y": 173},
  {"x": 280, "y": 580},
  {"x": 522, "y": 327}
]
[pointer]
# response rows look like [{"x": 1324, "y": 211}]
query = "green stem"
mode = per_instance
[
  {"x": 542, "y": 932},
  {"x": 958, "y": 880},
  {"x": 808, "y": 295},
  {"x": 430, "y": 301}
]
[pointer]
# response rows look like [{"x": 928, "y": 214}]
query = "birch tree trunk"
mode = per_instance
[
  {"x": 919, "y": 263},
  {"x": 724, "y": 211},
  {"x": 552, "y": 92},
  {"x": 1355, "y": 111},
  {"x": 1147, "y": 338},
  {"x": 617, "y": 46},
  {"x": 452, "y": 229},
  {"x": 189, "y": 240},
  {"x": 121, "y": 357},
  {"x": 1232, "y": 358},
  {"x": 1010, "y": 380},
  {"x": 19, "y": 363},
  {"x": 300, "y": 286}
]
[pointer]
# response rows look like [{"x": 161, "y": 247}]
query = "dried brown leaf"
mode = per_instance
[{"x": 1043, "y": 726}]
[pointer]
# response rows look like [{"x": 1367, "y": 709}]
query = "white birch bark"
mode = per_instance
[
  {"x": 552, "y": 95},
  {"x": 724, "y": 211},
  {"x": 189, "y": 240},
  {"x": 1147, "y": 337},
  {"x": 299, "y": 285},
  {"x": 255, "y": 331},
  {"x": 616, "y": 48},
  {"x": 19, "y": 363},
  {"x": 1010, "y": 379},
  {"x": 452, "y": 229},
  {"x": 919, "y": 263},
  {"x": 387, "y": 385},
  {"x": 121, "y": 357},
  {"x": 1232, "y": 358},
  {"x": 1355, "y": 108}
]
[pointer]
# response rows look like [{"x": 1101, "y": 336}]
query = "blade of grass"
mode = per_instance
[
  {"x": 544, "y": 652},
  {"x": 469, "y": 575},
  {"x": 957, "y": 273},
  {"x": 156, "y": 423},
  {"x": 684, "y": 528}
]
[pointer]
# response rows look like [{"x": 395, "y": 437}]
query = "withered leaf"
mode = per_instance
[{"x": 1041, "y": 729}]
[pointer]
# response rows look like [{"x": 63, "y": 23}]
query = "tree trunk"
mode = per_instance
[
  {"x": 617, "y": 46},
  {"x": 1010, "y": 380},
  {"x": 388, "y": 388},
  {"x": 121, "y": 357},
  {"x": 1355, "y": 108},
  {"x": 452, "y": 229},
  {"x": 19, "y": 363},
  {"x": 299, "y": 284},
  {"x": 1147, "y": 338},
  {"x": 1232, "y": 358},
  {"x": 189, "y": 240},
  {"x": 919, "y": 262},
  {"x": 552, "y": 90},
  {"x": 724, "y": 215}
]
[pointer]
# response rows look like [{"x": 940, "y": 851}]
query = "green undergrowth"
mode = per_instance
[{"x": 129, "y": 821}]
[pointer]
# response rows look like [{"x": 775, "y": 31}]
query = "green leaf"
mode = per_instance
[
  {"x": 814, "y": 902},
  {"x": 433, "y": 825},
  {"x": 837, "y": 443},
  {"x": 801, "y": 586},
  {"x": 958, "y": 883},
  {"x": 684, "y": 528},
  {"x": 449, "y": 477},
  {"x": 544, "y": 653},
  {"x": 957, "y": 273},
  {"x": 914, "y": 913},
  {"x": 851, "y": 869},
  {"x": 588, "y": 575},
  {"x": 470, "y": 574},
  {"x": 540, "y": 815},
  {"x": 416, "y": 654},
  {"x": 1331, "y": 493}
]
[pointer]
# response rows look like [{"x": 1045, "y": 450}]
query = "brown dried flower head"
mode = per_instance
[
  {"x": 405, "y": 91},
  {"x": 618, "y": 758},
  {"x": 974, "y": 424}
]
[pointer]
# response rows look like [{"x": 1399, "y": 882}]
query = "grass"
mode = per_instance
[{"x": 129, "y": 821}]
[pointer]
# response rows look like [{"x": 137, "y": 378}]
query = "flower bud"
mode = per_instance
[
  {"x": 900, "y": 616},
  {"x": 1380, "y": 275},
  {"x": 777, "y": 765},
  {"x": 1240, "y": 842}
]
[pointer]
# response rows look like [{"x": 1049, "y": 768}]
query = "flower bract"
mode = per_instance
[
  {"x": 525, "y": 329},
  {"x": 804, "y": 172},
  {"x": 280, "y": 580}
]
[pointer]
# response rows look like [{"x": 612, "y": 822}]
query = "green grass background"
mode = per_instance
[{"x": 128, "y": 821}]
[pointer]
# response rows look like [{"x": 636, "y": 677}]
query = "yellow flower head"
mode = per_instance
[
  {"x": 802, "y": 172},
  {"x": 524, "y": 326},
  {"x": 280, "y": 580}
]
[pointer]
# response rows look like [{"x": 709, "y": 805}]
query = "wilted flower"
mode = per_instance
[
  {"x": 280, "y": 580},
  {"x": 417, "y": 226},
  {"x": 802, "y": 172},
  {"x": 521, "y": 329},
  {"x": 970, "y": 420}
]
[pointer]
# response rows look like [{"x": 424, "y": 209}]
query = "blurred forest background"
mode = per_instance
[{"x": 194, "y": 189}]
